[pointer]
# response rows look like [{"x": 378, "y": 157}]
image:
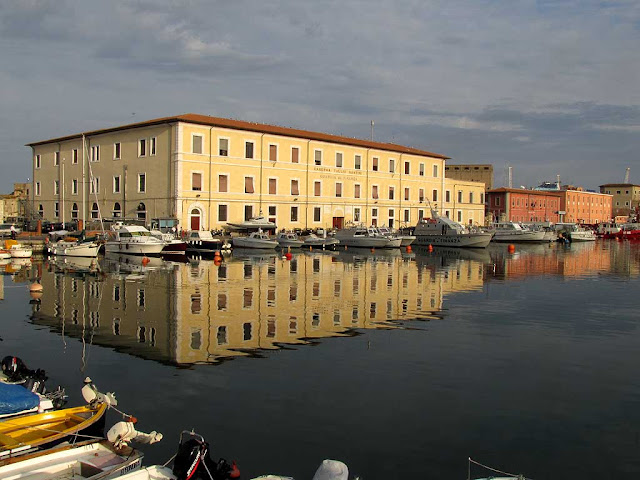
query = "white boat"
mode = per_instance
[
  {"x": 17, "y": 250},
  {"x": 134, "y": 240},
  {"x": 172, "y": 246},
  {"x": 253, "y": 223},
  {"x": 257, "y": 239},
  {"x": 363, "y": 237},
  {"x": 86, "y": 460},
  {"x": 607, "y": 228},
  {"x": 405, "y": 239},
  {"x": 580, "y": 234},
  {"x": 4, "y": 254},
  {"x": 443, "y": 232},
  {"x": 73, "y": 248},
  {"x": 289, "y": 239},
  {"x": 514, "y": 232},
  {"x": 324, "y": 242},
  {"x": 202, "y": 241}
]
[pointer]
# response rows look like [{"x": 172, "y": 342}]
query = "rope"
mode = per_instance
[{"x": 471, "y": 460}]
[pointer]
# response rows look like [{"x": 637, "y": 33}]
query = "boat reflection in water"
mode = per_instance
[{"x": 210, "y": 310}]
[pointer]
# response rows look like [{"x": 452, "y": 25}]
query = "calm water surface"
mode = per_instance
[{"x": 402, "y": 365}]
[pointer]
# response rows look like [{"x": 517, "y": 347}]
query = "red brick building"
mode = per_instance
[
  {"x": 520, "y": 205},
  {"x": 581, "y": 206}
]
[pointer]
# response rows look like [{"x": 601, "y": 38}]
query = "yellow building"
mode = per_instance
[{"x": 208, "y": 171}]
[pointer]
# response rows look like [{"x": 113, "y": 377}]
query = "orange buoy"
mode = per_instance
[
  {"x": 217, "y": 253},
  {"x": 145, "y": 260},
  {"x": 217, "y": 261},
  {"x": 408, "y": 248},
  {"x": 35, "y": 287},
  {"x": 511, "y": 248},
  {"x": 430, "y": 248},
  {"x": 373, "y": 250},
  {"x": 35, "y": 295},
  {"x": 288, "y": 255},
  {"x": 235, "y": 471}
]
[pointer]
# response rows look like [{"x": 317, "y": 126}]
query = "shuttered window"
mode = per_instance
[
  {"x": 196, "y": 181},
  {"x": 317, "y": 187},
  {"x": 224, "y": 147},
  {"x": 375, "y": 164},
  {"x": 356, "y": 191},
  {"x": 272, "y": 186},
  {"x": 295, "y": 155},
  {"x": 273, "y": 153},
  {"x": 223, "y": 183},
  {"x": 248, "y": 184},
  {"x": 196, "y": 144},
  {"x": 391, "y": 193},
  {"x": 374, "y": 192},
  {"x": 406, "y": 194},
  {"x": 338, "y": 190},
  {"x": 421, "y": 195},
  {"x": 318, "y": 157},
  {"x": 294, "y": 187}
]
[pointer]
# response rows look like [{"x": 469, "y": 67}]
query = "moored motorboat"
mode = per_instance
[
  {"x": 443, "y": 232},
  {"x": 17, "y": 250},
  {"x": 289, "y": 240},
  {"x": 323, "y": 242},
  {"x": 405, "y": 238},
  {"x": 580, "y": 234},
  {"x": 363, "y": 237},
  {"x": 514, "y": 232},
  {"x": 4, "y": 254},
  {"x": 172, "y": 246},
  {"x": 254, "y": 223},
  {"x": 70, "y": 247},
  {"x": 257, "y": 239},
  {"x": 202, "y": 241},
  {"x": 133, "y": 240}
]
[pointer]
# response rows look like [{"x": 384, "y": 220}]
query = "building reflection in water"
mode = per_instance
[{"x": 205, "y": 311}]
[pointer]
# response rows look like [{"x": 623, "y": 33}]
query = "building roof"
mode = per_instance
[
  {"x": 253, "y": 127},
  {"x": 524, "y": 190},
  {"x": 619, "y": 185}
]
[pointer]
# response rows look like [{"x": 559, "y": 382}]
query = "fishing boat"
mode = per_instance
[
  {"x": 133, "y": 240},
  {"x": 443, "y": 232},
  {"x": 257, "y": 239},
  {"x": 289, "y": 240},
  {"x": 514, "y": 232},
  {"x": 71, "y": 247},
  {"x": 363, "y": 237},
  {"x": 19, "y": 435}
]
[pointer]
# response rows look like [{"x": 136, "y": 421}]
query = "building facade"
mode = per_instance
[
  {"x": 471, "y": 173},
  {"x": 626, "y": 197},
  {"x": 12, "y": 207},
  {"x": 207, "y": 171},
  {"x": 582, "y": 206},
  {"x": 519, "y": 205}
]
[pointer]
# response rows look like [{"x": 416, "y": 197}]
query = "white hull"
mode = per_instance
[
  {"x": 134, "y": 248},
  {"x": 462, "y": 240},
  {"x": 5, "y": 255},
  {"x": 290, "y": 243},
  {"x": 20, "y": 252},
  {"x": 75, "y": 250},
  {"x": 519, "y": 236},
  {"x": 248, "y": 242},
  {"x": 367, "y": 242},
  {"x": 320, "y": 242},
  {"x": 406, "y": 240},
  {"x": 586, "y": 236}
]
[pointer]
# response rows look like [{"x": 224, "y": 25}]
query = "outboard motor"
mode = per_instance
[
  {"x": 17, "y": 372},
  {"x": 193, "y": 461}
]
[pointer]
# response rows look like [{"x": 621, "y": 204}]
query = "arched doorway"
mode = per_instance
[
  {"x": 194, "y": 219},
  {"x": 74, "y": 211},
  {"x": 117, "y": 211},
  {"x": 95, "y": 212}
]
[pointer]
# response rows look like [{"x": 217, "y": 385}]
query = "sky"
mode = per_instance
[{"x": 548, "y": 87}]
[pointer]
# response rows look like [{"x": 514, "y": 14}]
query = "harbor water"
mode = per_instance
[{"x": 400, "y": 364}]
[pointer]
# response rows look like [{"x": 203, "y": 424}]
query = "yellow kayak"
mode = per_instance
[{"x": 24, "y": 433}]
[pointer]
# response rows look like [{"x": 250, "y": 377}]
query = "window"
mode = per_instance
[
  {"x": 222, "y": 213},
  {"x": 391, "y": 193},
  {"x": 356, "y": 190},
  {"x": 196, "y": 144},
  {"x": 459, "y": 216},
  {"x": 421, "y": 171},
  {"x": 339, "y": 159},
  {"x": 421, "y": 195},
  {"x": 407, "y": 168},
  {"x": 223, "y": 183},
  {"x": 95, "y": 153},
  {"x": 56, "y": 209},
  {"x": 223, "y": 147},
  {"x": 482, "y": 198},
  {"x": 74, "y": 186},
  {"x": 117, "y": 211},
  {"x": 37, "y": 161},
  {"x": 295, "y": 189},
  {"x": 407, "y": 215},
  {"x": 56, "y": 159},
  {"x": 374, "y": 191},
  {"x": 116, "y": 151},
  {"x": 294, "y": 214},
  {"x": 248, "y": 185},
  {"x": 317, "y": 155},
  {"x": 248, "y": 149},
  {"x": 142, "y": 182},
  {"x": 471, "y": 197},
  {"x": 95, "y": 212},
  {"x": 142, "y": 147},
  {"x": 435, "y": 195},
  {"x": 273, "y": 186},
  {"x": 316, "y": 214},
  {"x": 317, "y": 188},
  {"x": 74, "y": 211},
  {"x": 392, "y": 165},
  {"x": 435, "y": 171},
  {"x": 338, "y": 189},
  {"x": 273, "y": 153},
  {"x": 116, "y": 184},
  {"x": 356, "y": 214},
  {"x": 141, "y": 212},
  {"x": 374, "y": 164},
  {"x": 196, "y": 181},
  {"x": 56, "y": 187},
  {"x": 94, "y": 186},
  {"x": 357, "y": 162},
  {"x": 153, "y": 143},
  {"x": 295, "y": 155},
  {"x": 406, "y": 193},
  {"x": 37, "y": 189},
  {"x": 272, "y": 213},
  {"x": 74, "y": 156},
  {"x": 447, "y": 196}
]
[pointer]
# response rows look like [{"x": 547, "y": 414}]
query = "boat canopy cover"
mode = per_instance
[{"x": 15, "y": 398}]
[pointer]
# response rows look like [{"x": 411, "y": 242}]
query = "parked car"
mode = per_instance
[{"x": 5, "y": 229}]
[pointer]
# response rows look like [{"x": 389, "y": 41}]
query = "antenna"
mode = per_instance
[
  {"x": 510, "y": 177},
  {"x": 626, "y": 175}
]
